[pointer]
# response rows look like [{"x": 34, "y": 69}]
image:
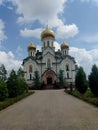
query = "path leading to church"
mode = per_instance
[{"x": 49, "y": 110}]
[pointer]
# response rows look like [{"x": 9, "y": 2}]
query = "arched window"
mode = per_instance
[
  {"x": 44, "y": 44},
  {"x": 48, "y": 43},
  {"x": 48, "y": 63},
  {"x": 52, "y": 43},
  {"x": 31, "y": 53},
  {"x": 65, "y": 52},
  {"x": 30, "y": 76},
  {"x": 67, "y": 75},
  {"x": 30, "y": 69},
  {"x": 67, "y": 67}
]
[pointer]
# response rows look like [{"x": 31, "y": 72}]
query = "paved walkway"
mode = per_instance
[{"x": 49, "y": 110}]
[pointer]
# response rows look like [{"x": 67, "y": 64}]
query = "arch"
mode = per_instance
[
  {"x": 44, "y": 44},
  {"x": 65, "y": 52},
  {"x": 48, "y": 43},
  {"x": 30, "y": 76},
  {"x": 30, "y": 69},
  {"x": 67, "y": 75},
  {"x": 48, "y": 63},
  {"x": 49, "y": 77},
  {"x": 31, "y": 53},
  {"x": 67, "y": 67}
]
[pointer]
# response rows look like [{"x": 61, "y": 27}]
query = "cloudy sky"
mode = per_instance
[{"x": 73, "y": 21}]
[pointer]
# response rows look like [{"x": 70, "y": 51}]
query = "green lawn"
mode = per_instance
[
  {"x": 88, "y": 96},
  {"x": 10, "y": 101}
]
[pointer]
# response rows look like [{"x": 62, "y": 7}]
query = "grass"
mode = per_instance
[
  {"x": 10, "y": 101},
  {"x": 88, "y": 96}
]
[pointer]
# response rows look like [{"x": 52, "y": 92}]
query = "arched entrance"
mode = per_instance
[{"x": 49, "y": 78}]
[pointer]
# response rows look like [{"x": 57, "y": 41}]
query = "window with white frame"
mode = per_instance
[{"x": 48, "y": 63}]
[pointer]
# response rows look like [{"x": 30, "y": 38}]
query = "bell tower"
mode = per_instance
[
  {"x": 47, "y": 38},
  {"x": 31, "y": 50},
  {"x": 64, "y": 49}
]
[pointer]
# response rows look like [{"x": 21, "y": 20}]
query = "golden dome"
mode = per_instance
[
  {"x": 64, "y": 45},
  {"x": 31, "y": 46},
  {"x": 47, "y": 32}
]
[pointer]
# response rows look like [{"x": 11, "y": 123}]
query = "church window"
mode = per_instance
[
  {"x": 31, "y": 53},
  {"x": 44, "y": 44},
  {"x": 30, "y": 68},
  {"x": 65, "y": 52},
  {"x": 67, "y": 75},
  {"x": 48, "y": 63},
  {"x": 48, "y": 43},
  {"x": 52, "y": 43},
  {"x": 67, "y": 67},
  {"x": 30, "y": 76}
]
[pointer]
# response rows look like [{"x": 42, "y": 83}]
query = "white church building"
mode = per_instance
[{"x": 49, "y": 62}]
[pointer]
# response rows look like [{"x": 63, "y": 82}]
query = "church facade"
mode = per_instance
[{"x": 49, "y": 62}]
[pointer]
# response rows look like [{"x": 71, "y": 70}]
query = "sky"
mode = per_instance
[{"x": 73, "y": 21}]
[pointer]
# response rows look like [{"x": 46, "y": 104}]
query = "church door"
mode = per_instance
[{"x": 49, "y": 80}]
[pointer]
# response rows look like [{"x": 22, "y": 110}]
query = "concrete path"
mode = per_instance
[{"x": 49, "y": 110}]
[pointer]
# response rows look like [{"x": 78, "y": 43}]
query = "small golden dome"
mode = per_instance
[
  {"x": 64, "y": 45},
  {"x": 47, "y": 32},
  {"x": 31, "y": 46}
]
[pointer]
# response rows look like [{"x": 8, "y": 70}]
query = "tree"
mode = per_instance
[
  {"x": 80, "y": 80},
  {"x": 3, "y": 73},
  {"x": 3, "y": 91},
  {"x": 61, "y": 78},
  {"x": 12, "y": 84},
  {"x": 37, "y": 83},
  {"x": 21, "y": 81},
  {"x": 20, "y": 73},
  {"x": 93, "y": 80},
  {"x": 16, "y": 83}
]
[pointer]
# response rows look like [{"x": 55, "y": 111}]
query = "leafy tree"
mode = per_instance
[
  {"x": 80, "y": 81},
  {"x": 37, "y": 83},
  {"x": 3, "y": 73},
  {"x": 93, "y": 80},
  {"x": 3, "y": 91},
  {"x": 61, "y": 78}
]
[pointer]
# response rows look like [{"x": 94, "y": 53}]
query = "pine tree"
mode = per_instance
[
  {"x": 93, "y": 80},
  {"x": 21, "y": 81},
  {"x": 80, "y": 80},
  {"x": 3, "y": 73},
  {"x": 61, "y": 78},
  {"x": 3, "y": 91},
  {"x": 12, "y": 84},
  {"x": 37, "y": 83},
  {"x": 3, "y": 88}
]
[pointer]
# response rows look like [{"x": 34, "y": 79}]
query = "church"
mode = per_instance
[{"x": 49, "y": 62}]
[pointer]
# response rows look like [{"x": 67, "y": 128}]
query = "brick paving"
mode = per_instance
[{"x": 49, "y": 110}]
